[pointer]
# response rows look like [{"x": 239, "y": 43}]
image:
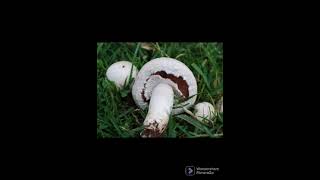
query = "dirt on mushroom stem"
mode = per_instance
[
  {"x": 160, "y": 108},
  {"x": 153, "y": 133}
]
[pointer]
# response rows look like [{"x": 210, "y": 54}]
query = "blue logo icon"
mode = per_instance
[{"x": 190, "y": 170}]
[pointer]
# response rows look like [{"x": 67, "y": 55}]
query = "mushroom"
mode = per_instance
[
  {"x": 119, "y": 73},
  {"x": 204, "y": 111},
  {"x": 158, "y": 84}
]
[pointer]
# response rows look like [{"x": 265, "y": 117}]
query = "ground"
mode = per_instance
[{"x": 119, "y": 117}]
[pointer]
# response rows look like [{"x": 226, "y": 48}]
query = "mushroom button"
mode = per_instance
[
  {"x": 204, "y": 111},
  {"x": 157, "y": 84},
  {"x": 119, "y": 73}
]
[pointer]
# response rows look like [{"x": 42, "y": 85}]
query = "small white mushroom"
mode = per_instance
[
  {"x": 204, "y": 111},
  {"x": 119, "y": 73},
  {"x": 157, "y": 84}
]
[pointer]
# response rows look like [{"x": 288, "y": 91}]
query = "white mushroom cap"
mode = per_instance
[
  {"x": 168, "y": 71},
  {"x": 119, "y": 73},
  {"x": 204, "y": 111}
]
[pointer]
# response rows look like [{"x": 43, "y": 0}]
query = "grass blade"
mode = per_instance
[
  {"x": 196, "y": 124},
  {"x": 171, "y": 128},
  {"x": 116, "y": 127},
  {"x": 184, "y": 131},
  {"x": 99, "y": 47},
  {"x": 198, "y": 69},
  {"x": 191, "y": 121}
]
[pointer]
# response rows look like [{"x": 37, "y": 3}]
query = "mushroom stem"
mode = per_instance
[{"x": 160, "y": 107}]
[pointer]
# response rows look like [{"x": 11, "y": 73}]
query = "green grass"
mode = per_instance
[{"x": 118, "y": 116}]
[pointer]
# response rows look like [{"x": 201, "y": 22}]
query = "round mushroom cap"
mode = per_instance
[
  {"x": 119, "y": 73},
  {"x": 204, "y": 111},
  {"x": 169, "y": 71}
]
